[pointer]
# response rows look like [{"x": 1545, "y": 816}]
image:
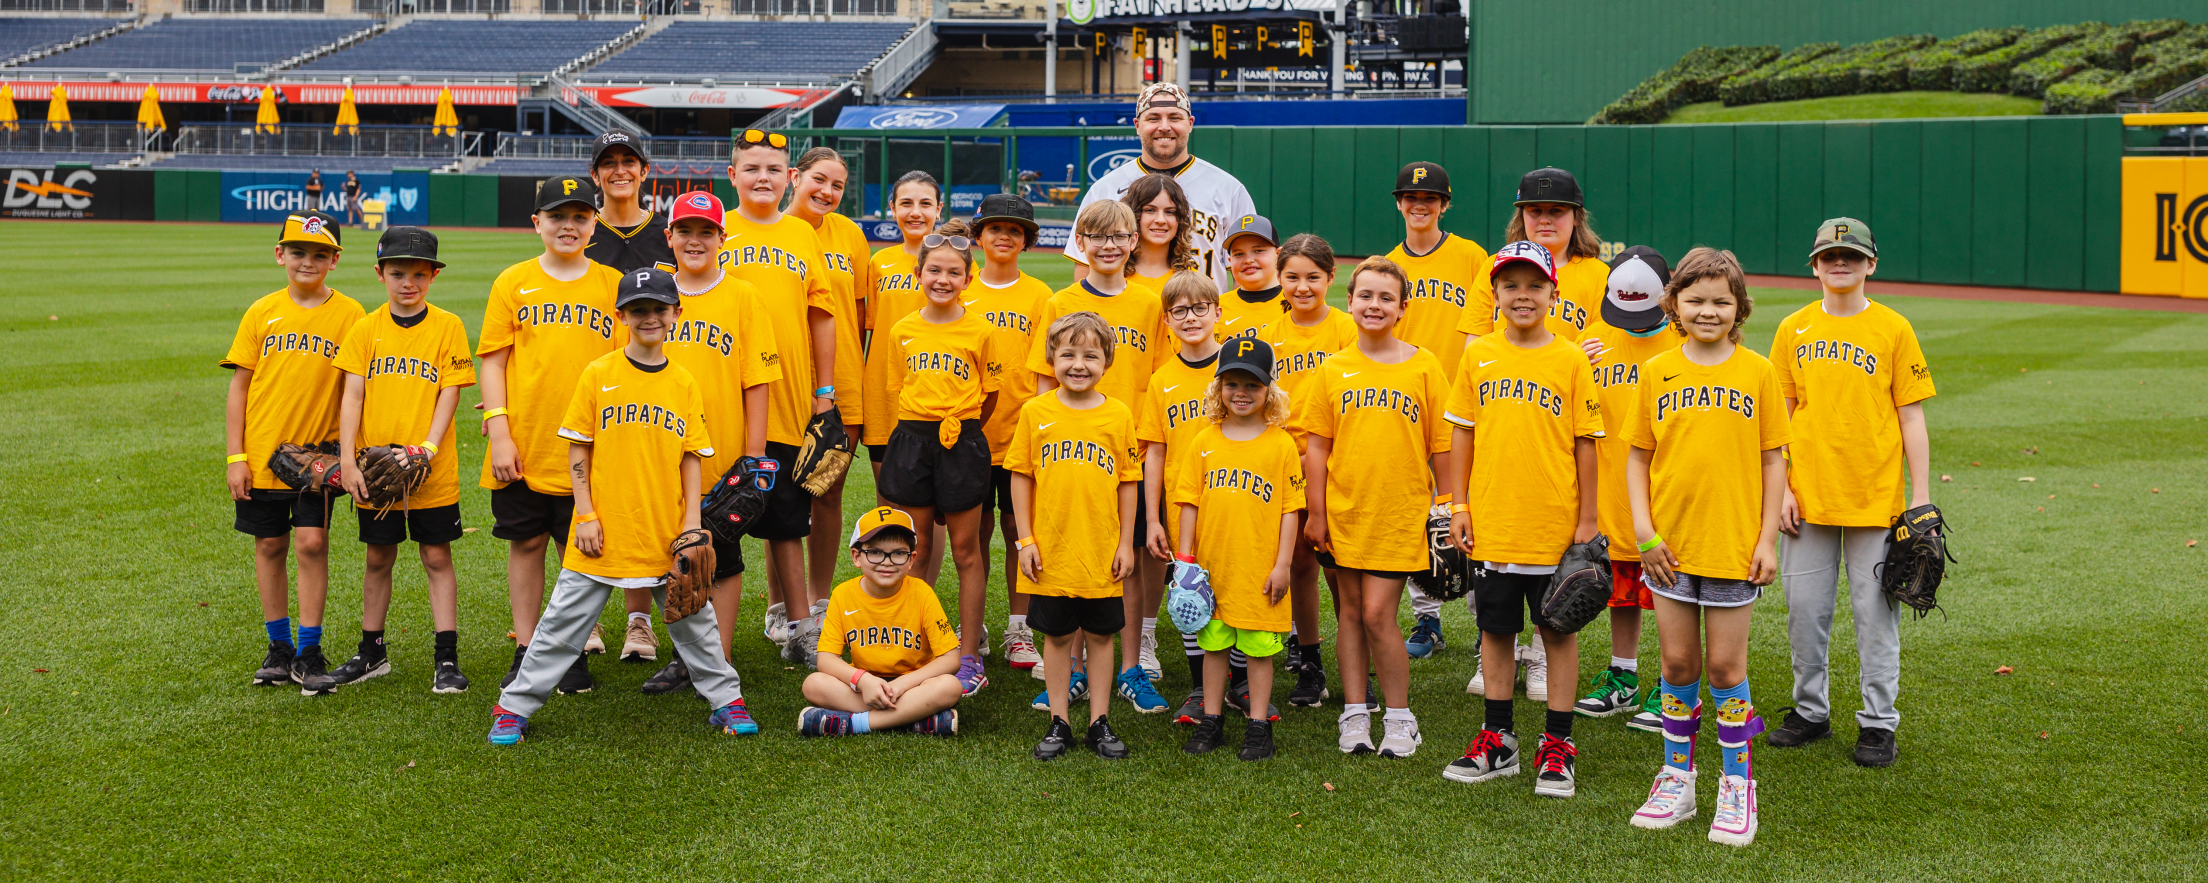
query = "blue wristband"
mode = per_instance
[{"x": 825, "y": 392}]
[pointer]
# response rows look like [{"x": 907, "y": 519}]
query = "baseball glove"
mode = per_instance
[
  {"x": 739, "y": 498},
  {"x": 1916, "y": 559},
  {"x": 302, "y": 468},
  {"x": 1448, "y": 573},
  {"x": 824, "y": 456},
  {"x": 391, "y": 472},
  {"x": 1188, "y": 598},
  {"x": 1580, "y": 589},
  {"x": 691, "y": 575}
]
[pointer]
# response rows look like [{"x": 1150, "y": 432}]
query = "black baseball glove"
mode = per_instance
[
  {"x": 1580, "y": 589},
  {"x": 1916, "y": 559},
  {"x": 739, "y": 498},
  {"x": 1448, "y": 573},
  {"x": 825, "y": 455},
  {"x": 310, "y": 468}
]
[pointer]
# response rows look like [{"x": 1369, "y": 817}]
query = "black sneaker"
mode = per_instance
[
  {"x": 1797, "y": 731},
  {"x": 1257, "y": 740},
  {"x": 577, "y": 679},
  {"x": 676, "y": 676},
  {"x": 1192, "y": 708},
  {"x": 1105, "y": 742},
  {"x": 1208, "y": 735},
  {"x": 448, "y": 678},
  {"x": 514, "y": 669},
  {"x": 275, "y": 668},
  {"x": 1310, "y": 686},
  {"x": 312, "y": 672},
  {"x": 1238, "y": 698},
  {"x": 1875, "y": 747},
  {"x": 1056, "y": 741},
  {"x": 359, "y": 669}
]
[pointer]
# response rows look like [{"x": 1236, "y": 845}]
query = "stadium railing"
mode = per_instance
[
  {"x": 317, "y": 140},
  {"x": 32, "y": 136},
  {"x": 512, "y": 146}
]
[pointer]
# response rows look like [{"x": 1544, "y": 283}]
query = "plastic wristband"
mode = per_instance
[
  {"x": 1444, "y": 499},
  {"x": 1185, "y": 559},
  {"x": 1652, "y": 543},
  {"x": 825, "y": 392},
  {"x": 494, "y": 412},
  {"x": 235, "y": 458},
  {"x": 431, "y": 447},
  {"x": 855, "y": 676},
  {"x": 1459, "y": 509},
  {"x": 586, "y": 518},
  {"x": 1026, "y": 542}
]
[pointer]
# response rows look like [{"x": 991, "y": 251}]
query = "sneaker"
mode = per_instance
[
  {"x": 803, "y": 646},
  {"x": 1556, "y": 759},
  {"x": 1310, "y": 687},
  {"x": 1651, "y": 716},
  {"x": 970, "y": 678},
  {"x": 1874, "y": 747},
  {"x": 1356, "y": 731},
  {"x": 1192, "y": 708},
  {"x": 734, "y": 719},
  {"x": 1492, "y": 754},
  {"x": 675, "y": 676},
  {"x": 776, "y": 625},
  {"x": 577, "y": 679},
  {"x": 1257, "y": 740},
  {"x": 312, "y": 672},
  {"x": 638, "y": 642},
  {"x": 1134, "y": 686},
  {"x": 941, "y": 723},
  {"x": 1797, "y": 730},
  {"x": 1614, "y": 691},
  {"x": 1104, "y": 742},
  {"x": 1019, "y": 649},
  {"x": 1425, "y": 638},
  {"x": 1077, "y": 689},
  {"x": 514, "y": 669},
  {"x": 1734, "y": 821},
  {"x": 507, "y": 727},
  {"x": 1037, "y": 672},
  {"x": 981, "y": 648},
  {"x": 1148, "y": 657},
  {"x": 1535, "y": 669},
  {"x": 1208, "y": 735},
  {"x": 596, "y": 643},
  {"x": 275, "y": 668},
  {"x": 823, "y": 722},
  {"x": 1238, "y": 698},
  {"x": 448, "y": 678},
  {"x": 1055, "y": 741},
  {"x": 1399, "y": 738},
  {"x": 1478, "y": 685},
  {"x": 1670, "y": 800},
  {"x": 359, "y": 669}
]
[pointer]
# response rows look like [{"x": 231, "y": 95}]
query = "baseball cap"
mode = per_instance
[
  {"x": 878, "y": 519},
  {"x": 1006, "y": 207},
  {"x": 1247, "y": 354},
  {"x": 698, "y": 204},
  {"x": 1162, "y": 94},
  {"x": 650, "y": 283},
  {"x": 408, "y": 243},
  {"x": 1631, "y": 298},
  {"x": 1527, "y": 252},
  {"x": 311, "y": 227},
  {"x": 1249, "y": 225},
  {"x": 555, "y": 192},
  {"x": 1845, "y": 233},
  {"x": 617, "y": 138},
  {"x": 1422, "y": 177},
  {"x": 1549, "y": 185}
]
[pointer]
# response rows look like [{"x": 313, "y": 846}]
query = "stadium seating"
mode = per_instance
[
  {"x": 333, "y": 167},
  {"x": 211, "y": 44},
  {"x": 504, "y": 47},
  {"x": 44, "y": 160},
  {"x": 755, "y": 49},
  {"x": 20, "y": 35},
  {"x": 535, "y": 168}
]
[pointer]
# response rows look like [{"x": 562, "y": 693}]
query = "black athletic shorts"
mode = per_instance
[
  {"x": 1059, "y": 615},
  {"x": 999, "y": 498},
  {"x": 879, "y": 454},
  {"x": 728, "y": 558},
  {"x": 789, "y": 514},
  {"x": 921, "y": 472},
  {"x": 435, "y": 525},
  {"x": 1326, "y": 559},
  {"x": 520, "y": 513},
  {"x": 1500, "y": 601},
  {"x": 271, "y": 513}
]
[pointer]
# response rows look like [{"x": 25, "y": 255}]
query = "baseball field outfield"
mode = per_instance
[{"x": 2068, "y": 443}]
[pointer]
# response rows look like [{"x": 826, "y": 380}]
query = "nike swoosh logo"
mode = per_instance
[
  {"x": 968, "y": 303},
  {"x": 850, "y": 613},
  {"x": 1351, "y": 373},
  {"x": 273, "y": 321},
  {"x": 1671, "y": 378},
  {"x": 1204, "y": 454},
  {"x": 1173, "y": 387},
  {"x": 609, "y": 388},
  {"x": 1487, "y": 363},
  {"x": 909, "y": 342},
  {"x": 1801, "y": 329},
  {"x": 1042, "y": 426},
  {"x": 532, "y": 290}
]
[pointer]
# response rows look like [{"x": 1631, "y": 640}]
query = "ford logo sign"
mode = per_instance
[
  {"x": 915, "y": 118},
  {"x": 1105, "y": 162}
]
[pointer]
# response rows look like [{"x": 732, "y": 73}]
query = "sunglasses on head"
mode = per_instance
[
  {"x": 755, "y": 137},
  {"x": 936, "y": 240}
]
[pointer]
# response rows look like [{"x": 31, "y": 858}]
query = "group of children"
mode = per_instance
[{"x": 1131, "y": 432}]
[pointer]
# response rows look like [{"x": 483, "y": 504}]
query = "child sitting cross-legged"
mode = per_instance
[{"x": 903, "y": 670}]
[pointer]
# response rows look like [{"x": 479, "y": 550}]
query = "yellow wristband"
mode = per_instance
[
  {"x": 1653, "y": 542},
  {"x": 1026, "y": 542},
  {"x": 1459, "y": 509},
  {"x": 1443, "y": 499},
  {"x": 236, "y": 458},
  {"x": 586, "y": 518},
  {"x": 431, "y": 447},
  {"x": 494, "y": 412}
]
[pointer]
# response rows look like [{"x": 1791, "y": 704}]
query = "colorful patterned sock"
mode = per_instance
[
  {"x": 279, "y": 630},
  {"x": 1682, "y": 720},
  {"x": 1737, "y": 726}
]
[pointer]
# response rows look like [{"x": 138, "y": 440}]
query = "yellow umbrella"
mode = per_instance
[
  {"x": 447, "y": 121},
  {"x": 149, "y": 111},
  {"x": 267, "y": 121},
  {"x": 347, "y": 116},
  {"x": 57, "y": 111},
  {"x": 7, "y": 107}
]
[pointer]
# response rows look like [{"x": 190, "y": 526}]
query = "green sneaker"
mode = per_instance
[
  {"x": 1651, "y": 715},
  {"x": 1614, "y": 691}
]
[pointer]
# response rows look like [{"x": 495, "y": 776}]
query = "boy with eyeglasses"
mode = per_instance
[{"x": 903, "y": 670}]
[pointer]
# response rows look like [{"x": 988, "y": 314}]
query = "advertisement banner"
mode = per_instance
[
  {"x": 78, "y": 194},
  {"x": 266, "y": 197},
  {"x": 2165, "y": 226},
  {"x": 250, "y": 93}
]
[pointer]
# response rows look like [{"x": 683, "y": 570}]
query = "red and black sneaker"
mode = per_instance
[
  {"x": 1555, "y": 759},
  {"x": 1492, "y": 754}
]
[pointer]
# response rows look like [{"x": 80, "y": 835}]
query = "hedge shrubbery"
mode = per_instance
[
  {"x": 1990, "y": 72},
  {"x": 1693, "y": 79},
  {"x": 1841, "y": 73},
  {"x": 2110, "y": 50},
  {"x": 1754, "y": 86},
  {"x": 1933, "y": 70}
]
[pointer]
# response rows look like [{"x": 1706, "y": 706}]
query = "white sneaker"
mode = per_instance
[
  {"x": 638, "y": 642},
  {"x": 983, "y": 647},
  {"x": 1734, "y": 822},
  {"x": 1399, "y": 738},
  {"x": 1019, "y": 648},
  {"x": 1149, "y": 656},
  {"x": 1478, "y": 685},
  {"x": 597, "y": 641},
  {"x": 777, "y": 624},
  {"x": 1670, "y": 799},
  {"x": 1536, "y": 660},
  {"x": 1356, "y": 727}
]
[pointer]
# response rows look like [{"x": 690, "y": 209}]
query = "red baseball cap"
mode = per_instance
[{"x": 698, "y": 204}]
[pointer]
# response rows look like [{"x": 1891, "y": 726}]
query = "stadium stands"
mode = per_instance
[
  {"x": 205, "y": 44},
  {"x": 20, "y": 35},
  {"x": 329, "y": 165},
  {"x": 46, "y": 160},
  {"x": 535, "y": 168},
  {"x": 474, "y": 46},
  {"x": 754, "y": 49}
]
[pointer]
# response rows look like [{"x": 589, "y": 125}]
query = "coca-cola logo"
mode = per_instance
[{"x": 241, "y": 93}]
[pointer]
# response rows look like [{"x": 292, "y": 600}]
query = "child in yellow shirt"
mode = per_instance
[
  {"x": 1011, "y": 302},
  {"x": 903, "y": 671},
  {"x": 1253, "y": 253},
  {"x": 1168, "y": 417}
]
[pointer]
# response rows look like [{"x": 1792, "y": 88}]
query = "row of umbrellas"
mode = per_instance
[{"x": 446, "y": 122}]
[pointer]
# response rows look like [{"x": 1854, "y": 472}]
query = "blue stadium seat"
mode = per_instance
[
  {"x": 20, "y": 35},
  {"x": 44, "y": 160},
  {"x": 211, "y": 44},
  {"x": 333, "y": 167},
  {"x": 754, "y": 50},
  {"x": 474, "y": 46},
  {"x": 535, "y": 168}
]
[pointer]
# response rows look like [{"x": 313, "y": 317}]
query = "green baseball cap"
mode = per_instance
[{"x": 1845, "y": 233}]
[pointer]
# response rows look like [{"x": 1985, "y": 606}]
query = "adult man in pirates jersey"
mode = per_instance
[
  {"x": 628, "y": 237},
  {"x": 1162, "y": 123}
]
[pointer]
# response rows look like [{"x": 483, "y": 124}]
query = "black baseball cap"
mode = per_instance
[
  {"x": 1632, "y": 298},
  {"x": 555, "y": 192},
  {"x": 1549, "y": 185},
  {"x": 1006, "y": 207},
  {"x": 619, "y": 139},
  {"x": 408, "y": 244},
  {"x": 1247, "y": 354},
  {"x": 1249, "y": 225},
  {"x": 650, "y": 283},
  {"x": 1422, "y": 177}
]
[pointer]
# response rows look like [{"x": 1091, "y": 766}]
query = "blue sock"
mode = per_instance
[
  {"x": 860, "y": 724},
  {"x": 1737, "y": 726},
  {"x": 310, "y": 636},
  {"x": 279, "y": 630},
  {"x": 1681, "y": 721}
]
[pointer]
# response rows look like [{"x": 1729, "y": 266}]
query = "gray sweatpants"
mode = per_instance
[
  {"x": 1810, "y": 566},
  {"x": 577, "y": 599}
]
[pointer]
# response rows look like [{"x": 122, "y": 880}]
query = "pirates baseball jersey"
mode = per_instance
[
  {"x": 943, "y": 371},
  {"x": 404, "y": 367},
  {"x": 1442, "y": 284},
  {"x": 1245, "y": 313},
  {"x": 843, "y": 251},
  {"x": 1240, "y": 490},
  {"x": 1298, "y": 349},
  {"x": 1011, "y": 311},
  {"x": 554, "y": 328},
  {"x": 639, "y": 421},
  {"x": 890, "y": 636},
  {"x": 896, "y": 294},
  {"x": 1708, "y": 426},
  {"x": 1215, "y": 199},
  {"x": 783, "y": 262},
  {"x": 1385, "y": 423},
  {"x": 292, "y": 351},
  {"x": 1849, "y": 377},
  {"x": 1171, "y": 412},
  {"x": 727, "y": 347},
  {"x": 1527, "y": 408},
  {"x": 1617, "y": 387},
  {"x": 1078, "y": 457}
]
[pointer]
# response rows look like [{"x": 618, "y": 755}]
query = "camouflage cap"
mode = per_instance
[{"x": 1845, "y": 233}]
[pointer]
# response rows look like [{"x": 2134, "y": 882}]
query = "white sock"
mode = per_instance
[
  {"x": 646, "y": 618},
  {"x": 1400, "y": 714},
  {"x": 1625, "y": 662},
  {"x": 1150, "y": 624},
  {"x": 1015, "y": 622}
]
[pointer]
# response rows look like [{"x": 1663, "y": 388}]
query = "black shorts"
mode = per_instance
[
  {"x": 520, "y": 513},
  {"x": 1326, "y": 559},
  {"x": 921, "y": 472},
  {"x": 271, "y": 513},
  {"x": 1500, "y": 601},
  {"x": 728, "y": 558},
  {"x": 789, "y": 514},
  {"x": 1059, "y": 615},
  {"x": 999, "y": 498},
  {"x": 435, "y": 525},
  {"x": 879, "y": 454}
]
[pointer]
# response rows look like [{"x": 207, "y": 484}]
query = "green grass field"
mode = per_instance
[
  {"x": 132, "y": 746},
  {"x": 1883, "y": 106}
]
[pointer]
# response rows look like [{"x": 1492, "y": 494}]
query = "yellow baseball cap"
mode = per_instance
[
  {"x": 878, "y": 519},
  {"x": 311, "y": 227}
]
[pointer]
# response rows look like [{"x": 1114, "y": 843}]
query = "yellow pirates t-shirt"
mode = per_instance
[
  {"x": 1617, "y": 387},
  {"x": 783, "y": 263},
  {"x": 1239, "y": 316},
  {"x": 1078, "y": 458},
  {"x": 638, "y": 423},
  {"x": 1011, "y": 311},
  {"x": 843, "y": 252},
  {"x": 1526, "y": 409},
  {"x": 896, "y": 295},
  {"x": 1170, "y": 414},
  {"x": 1708, "y": 427},
  {"x": 404, "y": 369},
  {"x": 1137, "y": 319},
  {"x": 727, "y": 347},
  {"x": 1240, "y": 490},
  {"x": 1580, "y": 285},
  {"x": 943, "y": 371},
  {"x": 1443, "y": 282},
  {"x": 1386, "y": 425},
  {"x": 554, "y": 328},
  {"x": 1299, "y": 349},
  {"x": 887, "y": 636},
  {"x": 296, "y": 385},
  {"x": 1849, "y": 378}
]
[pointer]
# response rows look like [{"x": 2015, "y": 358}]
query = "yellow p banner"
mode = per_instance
[{"x": 2165, "y": 227}]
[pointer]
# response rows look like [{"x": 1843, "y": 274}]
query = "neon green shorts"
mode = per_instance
[{"x": 1218, "y": 636}]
